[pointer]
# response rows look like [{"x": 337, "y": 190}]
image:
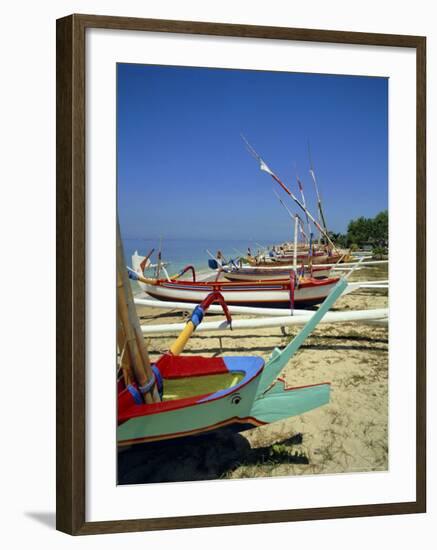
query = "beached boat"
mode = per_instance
[
  {"x": 318, "y": 257},
  {"x": 247, "y": 274},
  {"x": 238, "y": 392},
  {"x": 256, "y": 273},
  {"x": 288, "y": 254},
  {"x": 299, "y": 293}
]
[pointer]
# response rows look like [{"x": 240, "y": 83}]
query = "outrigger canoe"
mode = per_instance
[
  {"x": 295, "y": 292},
  {"x": 235, "y": 272},
  {"x": 317, "y": 258},
  {"x": 253, "y": 395}
]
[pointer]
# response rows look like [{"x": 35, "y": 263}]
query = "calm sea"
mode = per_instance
[{"x": 182, "y": 252}]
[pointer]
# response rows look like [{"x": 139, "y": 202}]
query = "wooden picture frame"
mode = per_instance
[{"x": 71, "y": 253}]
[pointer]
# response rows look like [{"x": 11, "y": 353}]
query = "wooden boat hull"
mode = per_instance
[
  {"x": 288, "y": 260},
  {"x": 269, "y": 274},
  {"x": 301, "y": 255},
  {"x": 262, "y": 294},
  {"x": 229, "y": 408}
]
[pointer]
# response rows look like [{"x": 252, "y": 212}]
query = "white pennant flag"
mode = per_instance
[{"x": 263, "y": 166}]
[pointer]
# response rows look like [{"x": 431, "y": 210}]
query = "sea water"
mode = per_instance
[{"x": 179, "y": 253}]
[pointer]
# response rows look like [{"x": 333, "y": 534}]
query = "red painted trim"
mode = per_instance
[
  {"x": 135, "y": 411},
  {"x": 311, "y": 300},
  {"x": 172, "y": 366},
  {"x": 187, "y": 268},
  {"x": 165, "y": 406},
  {"x": 233, "y": 420},
  {"x": 290, "y": 388},
  {"x": 234, "y": 286}
]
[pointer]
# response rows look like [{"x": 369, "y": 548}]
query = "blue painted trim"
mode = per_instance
[{"x": 250, "y": 366}]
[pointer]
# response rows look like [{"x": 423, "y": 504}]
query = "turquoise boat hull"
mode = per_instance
[{"x": 239, "y": 407}]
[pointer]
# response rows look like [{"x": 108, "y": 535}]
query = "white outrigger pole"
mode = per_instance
[
  {"x": 300, "y": 185},
  {"x": 296, "y": 229},
  {"x": 246, "y": 310},
  {"x": 297, "y": 222},
  {"x": 375, "y": 316},
  {"x": 302, "y": 230}
]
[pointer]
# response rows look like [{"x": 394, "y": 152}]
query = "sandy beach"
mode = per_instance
[{"x": 350, "y": 434}]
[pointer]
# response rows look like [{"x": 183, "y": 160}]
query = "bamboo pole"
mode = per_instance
[
  {"x": 131, "y": 341},
  {"x": 196, "y": 318},
  {"x": 125, "y": 360},
  {"x": 296, "y": 223},
  {"x": 129, "y": 319},
  {"x": 264, "y": 168},
  {"x": 179, "y": 344}
]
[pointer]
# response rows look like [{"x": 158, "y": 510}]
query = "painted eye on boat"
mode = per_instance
[{"x": 235, "y": 399}]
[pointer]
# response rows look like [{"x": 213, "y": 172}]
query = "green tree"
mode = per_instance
[
  {"x": 380, "y": 228},
  {"x": 369, "y": 230},
  {"x": 358, "y": 230}
]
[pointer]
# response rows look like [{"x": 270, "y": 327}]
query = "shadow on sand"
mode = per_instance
[{"x": 199, "y": 458}]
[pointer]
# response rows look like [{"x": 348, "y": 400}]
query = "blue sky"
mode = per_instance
[{"x": 184, "y": 171}]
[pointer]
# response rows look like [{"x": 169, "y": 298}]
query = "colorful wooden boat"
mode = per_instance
[
  {"x": 235, "y": 272},
  {"x": 302, "y": 254},
  {"x": 318, "y": 258},
  {"x": 294, "y": 292},
  {"x": 254, "y": 396}
]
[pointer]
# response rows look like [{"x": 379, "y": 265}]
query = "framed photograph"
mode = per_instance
[{"x": 240, "y": 274}]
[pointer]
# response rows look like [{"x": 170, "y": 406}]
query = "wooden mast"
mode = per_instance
[
  {"x": 319, "y": 200},
  {"x": 131, "y": 331},
  {"x": 296, "y": 229},
  {"x": 264, "y": 168}
]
